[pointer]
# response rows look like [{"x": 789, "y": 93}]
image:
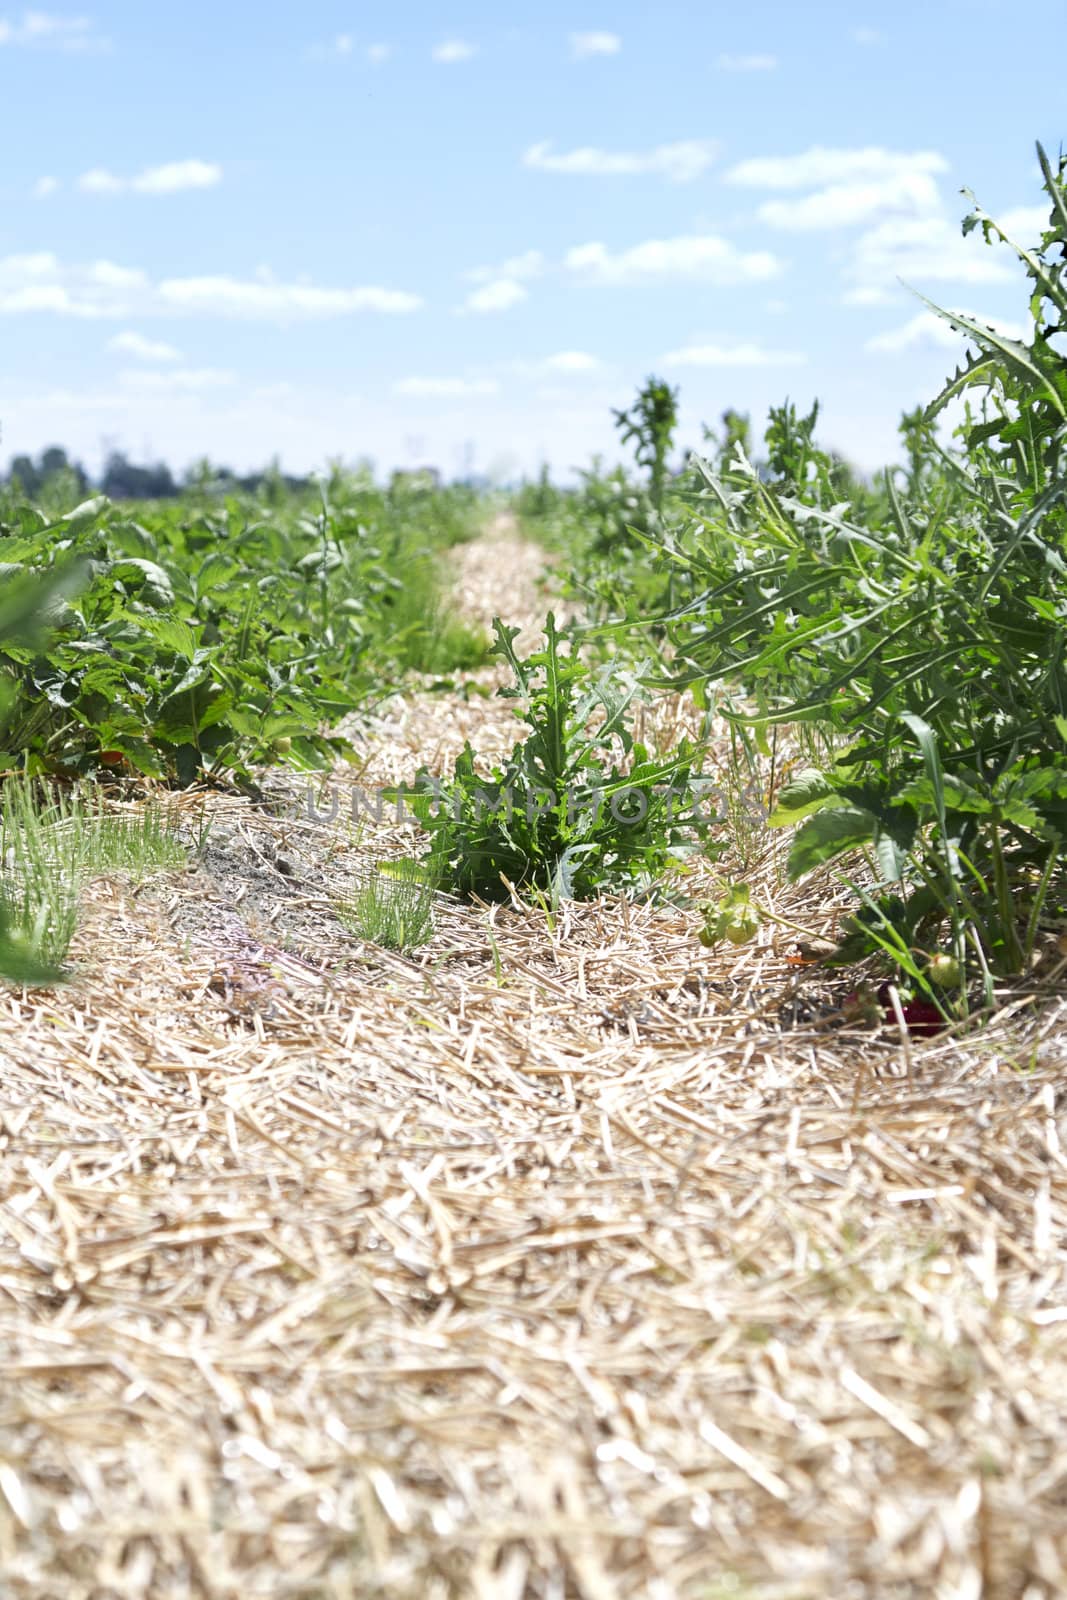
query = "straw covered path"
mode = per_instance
[{"x": 563, "y": 1261}]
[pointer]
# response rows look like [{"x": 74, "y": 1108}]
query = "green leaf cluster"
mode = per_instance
[
  {"x": 206, "y": 637},
  {"x": 922, "y": 627},
  {"x": 579, "y": 807}
]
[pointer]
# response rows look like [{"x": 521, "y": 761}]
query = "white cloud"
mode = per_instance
[
  {"x": 378, "y": 54},
  {"x": 564, "y": 364},
  {"x": 871, "y": 38},
  {"x": 170, "y": 178},
  {"x": 531, "y": 264},
  {"x": 820, "y": 165},
  {"x": 738, "y": 355},
  {"x": 755, "y": 63},
  {"x": 41, "y": 264},
  {"x": 44, "y": 30},
  {"x": 844, "y": 205},
  {"x": 235, "y": 297},
  {"x": 925, "y": 330},
  {"x": 680, "y": 162},
  {"x": 452, "y": 51},
  {"x": 45, "y": 187},
  {"x": 499, "y": 294},
  {"x": 572, "y": 361},
  {"x": 584, "y": 45},
  {"x": 181, "y": 380},
  {"x": 920, "y": 250},
  {"x": 702, "y": 258},
  {"x": 135, "y": 344},
  {"x": 41, "y": 282},
  {"x": 108, "y": 275},
  {"x": 339, "y": 48},
  {"x": 444, "y": 388},
  {"x": 176, "y": 175},
  {"x": 870, "y": 295},
  {"x": 1025, "y": 224},
  {"x": 99, "y": 181}
]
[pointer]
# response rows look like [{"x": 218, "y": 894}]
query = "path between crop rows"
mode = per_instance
[{"x": 558, "y": 1262}]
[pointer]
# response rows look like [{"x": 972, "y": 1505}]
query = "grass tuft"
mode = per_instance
[
  {"x": 51, "y": 845},
  {"x": 393, "y": 907}
]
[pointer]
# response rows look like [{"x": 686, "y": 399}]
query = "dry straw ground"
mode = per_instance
[{"x": 556, "y": 1262}]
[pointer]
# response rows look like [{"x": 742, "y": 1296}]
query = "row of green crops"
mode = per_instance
[
  {"x": 203, "y": 638},
  {"x": 917, "y": 625}
]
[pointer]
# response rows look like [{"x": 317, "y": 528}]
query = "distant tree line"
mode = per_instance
[{"x": 123, "y": 479}]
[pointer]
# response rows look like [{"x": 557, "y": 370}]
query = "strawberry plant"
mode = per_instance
[{"x": 210, "y": 638}]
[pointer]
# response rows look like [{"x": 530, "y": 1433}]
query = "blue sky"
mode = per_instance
[{"x": 455, "y": 233}]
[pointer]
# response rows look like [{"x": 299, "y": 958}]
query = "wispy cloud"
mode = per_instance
[
  {"x": 499, "y": 294},
  {"x": 584, "y": 45},
  {"x": 170, "y": 178},
  {"x": 135, "y": 344},
  {"x": 755, "y": 63},
  {"x": 848, "y": 187},
  {"x": 736, "y": 355},
  {"x": 445, "y": 388},
  {"x": 821, "y": 165},
  {"x": 43, "y": 30},
  {"x": 843, "y": 205},
  {"x": 343, "y": 47},
  {"x": 931, "y": 332},
  {"x": 571, "y": 361},
  {"x": 102, "y": 289},
  {"x": 44, "y": 187},
  {"x": 680, "y": 162},
  {"x": 870, "y": 38},
  {"x": 531, "y": 264},
  {"x": 1024, "y": 224},
  {"x": 564, "y": 364},
  {"x": 921, "y": 250},
  {"x": 180, "y": 380},
  {"x": 870, "y": 294},
  {"x": 235, "y": 297},
  {"x": 452, "y": 51},
  {"x": 503, "y": 286},
  {"x": 703, "y": 258},
  {"x": 339, "y": 48}
]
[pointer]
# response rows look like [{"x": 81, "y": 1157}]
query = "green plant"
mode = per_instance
[
  {"x": 136, "y": 840},
  {"x": 649, "y": 425},
  {"x": 732, "y": 917},
  {"x": 928, "y": 639},
  {"x": 27, "y": 606},
  {"x": 51, "y": 843},
  {"x": 40, "y": 879},
  {"x": 562, "y": 815},
  {"x": 215, "y": 632},
  {"x": 392, "y": 908}
]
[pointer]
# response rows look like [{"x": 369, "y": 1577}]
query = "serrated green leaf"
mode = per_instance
[
  {"x": 806, "y": 791},
  {"x": 828, "y": 834}
]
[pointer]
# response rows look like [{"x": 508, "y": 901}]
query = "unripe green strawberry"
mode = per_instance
[
  {"x": 743, "y": 925},
  {"x": 944, "y": 970}
]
